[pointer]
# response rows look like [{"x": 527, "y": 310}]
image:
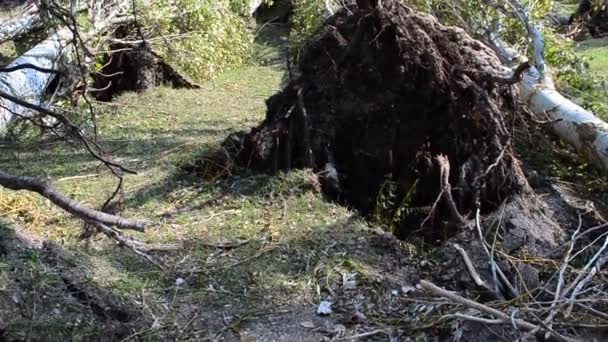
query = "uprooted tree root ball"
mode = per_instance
[
  {"x": 381, "y": 95},
  {"x": 411, "y": 123},
  {"x": 134, "y": 66}
]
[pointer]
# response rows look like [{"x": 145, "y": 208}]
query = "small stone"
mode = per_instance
[{"x": 407, "y": 289}]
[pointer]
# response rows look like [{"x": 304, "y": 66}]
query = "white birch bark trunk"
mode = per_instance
[
  {"x": 572, "y": 123},
  {"x": 29, "y": 84},
  {"x": 17, "y": 27},
  {"x": 579, "y": 127},
  {"x": 254, "y": 5}
]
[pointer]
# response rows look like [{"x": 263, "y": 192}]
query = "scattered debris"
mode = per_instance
[
  {"x": 324, "y": 308},
  {"x": 308, "y": 325},
  {"x": 348, "y": 280}
]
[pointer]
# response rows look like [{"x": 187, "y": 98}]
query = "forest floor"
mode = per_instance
[{"x": 257, "y": 254}]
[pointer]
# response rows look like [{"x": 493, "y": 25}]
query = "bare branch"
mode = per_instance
[
  {"x": 73, "y": 207},
  {"x": 519, "y": 323},
  {"x": 30, "y": 66}
]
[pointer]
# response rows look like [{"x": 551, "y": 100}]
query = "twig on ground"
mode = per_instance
[
  {"x": 126, "y": 241},
  {"x": 594, "y": 270},
  {"x": 493, "y": 264},
  {"x": 470, "y": 267},
  {"x": 562, "y": 271},
  {"x": 366, "y": 334},
  {"x": 520, "y": 323}
]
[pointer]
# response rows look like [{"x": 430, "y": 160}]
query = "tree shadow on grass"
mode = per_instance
[
  {"x": 48, "y": 295},
  {"x": 65, "y": 160}
]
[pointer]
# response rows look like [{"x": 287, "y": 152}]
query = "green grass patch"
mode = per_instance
[{"x": 596, "y": 50}]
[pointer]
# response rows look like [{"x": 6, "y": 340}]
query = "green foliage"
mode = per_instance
[
  {"x": 200, "y": 37},
  {"x": 305, "y": 22},
  {"x": 573, "y": 76},
  {"x": 391, "y": 207}
]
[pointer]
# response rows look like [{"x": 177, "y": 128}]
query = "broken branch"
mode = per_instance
[
  {"x": 75, "y": 208},
  {"x": 519, "y": 323}
]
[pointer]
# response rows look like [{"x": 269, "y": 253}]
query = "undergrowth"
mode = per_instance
[
  {"x": 305, "y": 21},
  {"x": 204, "y": 39}
]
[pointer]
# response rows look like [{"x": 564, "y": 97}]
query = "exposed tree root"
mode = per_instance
[
  {"x": 381, "y": 94},
  {"x": 134, "y": 65}
]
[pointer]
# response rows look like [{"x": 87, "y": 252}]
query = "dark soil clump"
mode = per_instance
[
  {"x": 594, "y": 14},
  {"x": 381, "y": 93},
  {"x": 134, "y": 66}
]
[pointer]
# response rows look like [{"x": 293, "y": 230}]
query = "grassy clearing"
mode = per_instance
[
  {"x": 290, "y": 248},
  {"x": 597, "y": 52},
  {"x": 595, "y": 96}
]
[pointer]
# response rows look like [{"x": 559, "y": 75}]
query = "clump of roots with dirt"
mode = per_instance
[
  {"x": 390, "y": 191},
  {"x": 413, "y": 124}
]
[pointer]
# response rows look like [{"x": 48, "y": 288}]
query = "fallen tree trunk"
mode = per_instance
[
  {"x": 29, "y": 21},
  {"x": 30, "y": 77},
  {"x": 572, "y": 123},
  {"x": 254, "y": 5},
  {"x": 31, "y": 74},
  {"x": 579, "y": 127}
]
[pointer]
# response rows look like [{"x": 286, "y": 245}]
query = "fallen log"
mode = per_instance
[
  {"x": 31, "y": 76},
  {"x": 569, "y": 121},
  {"x": 29, "y": 21},
  {"x": 28, "y": 77}
]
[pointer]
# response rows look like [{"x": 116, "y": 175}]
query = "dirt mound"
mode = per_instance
[
  {"x": 380, "y": 95},
  {"x": 594, "y": 15},
  {"x": 133, "y": 66}
]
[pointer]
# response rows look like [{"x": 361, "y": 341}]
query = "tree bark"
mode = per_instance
[
  {"x": 15, "y": 28},
  {"x": 31, "y": 84},
  {"x": 73, "y": 207},
  {"x": 28, "y": 81},
  {"x": 569, "y": 121}
]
